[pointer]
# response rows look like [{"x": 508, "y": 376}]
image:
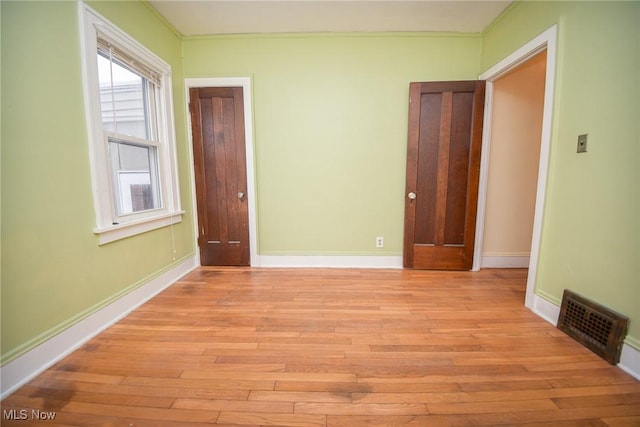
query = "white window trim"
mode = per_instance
[{"x": 170, "y": 213}]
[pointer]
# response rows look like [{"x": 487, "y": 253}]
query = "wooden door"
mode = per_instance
[
  {"x": 443, "y": 169},
  {"x": 217, "y": 123}
]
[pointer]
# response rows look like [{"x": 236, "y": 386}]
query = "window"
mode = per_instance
[{"x": 131, "y": 137}]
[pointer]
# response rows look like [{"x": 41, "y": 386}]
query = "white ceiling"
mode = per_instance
[{"x": 192, "y": 18}]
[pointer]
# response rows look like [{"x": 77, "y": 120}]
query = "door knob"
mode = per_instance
[
  {"x": 411, "y": 195},
  {"x": 240, "y": 195}
]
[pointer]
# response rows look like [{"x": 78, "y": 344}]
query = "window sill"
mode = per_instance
[{"x": 120, "y": 231}]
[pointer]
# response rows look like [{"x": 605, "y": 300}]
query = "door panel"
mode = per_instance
[
  {"x": 443, "y": 164},
  {"x": 217, "y": 120}
]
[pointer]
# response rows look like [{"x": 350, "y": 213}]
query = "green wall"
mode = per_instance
[
  {"x": 331, "y": 129},
  {"x": 53, "y": 271},
  {"x": 591, "y": 230}
]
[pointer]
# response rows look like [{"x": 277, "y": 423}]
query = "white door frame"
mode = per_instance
[
  {"x": 545, "y": 41},
  {"x": 245, "y": 83}
]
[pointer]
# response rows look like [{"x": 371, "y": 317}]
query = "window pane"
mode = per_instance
[
  {"x": 135, "y": 177},
  {"x": 123, "y": 99}
]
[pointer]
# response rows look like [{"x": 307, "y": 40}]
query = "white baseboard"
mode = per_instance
[
  {"x": 545, "y": 309},
  {"x": 630, "y": 357},
  {"x": 25, "y": 367},
  {"x": 336, "y": 261},
  {"x": 505, "y": 261},
  {"x": 630, "y": 361}
]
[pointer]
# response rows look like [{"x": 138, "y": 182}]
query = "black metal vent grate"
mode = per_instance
[{"x": 593, "y": 325}]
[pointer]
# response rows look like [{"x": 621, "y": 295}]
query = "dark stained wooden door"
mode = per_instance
[
  {"x": 443, "y": 169},
  {"x": 217, "y": 123}
]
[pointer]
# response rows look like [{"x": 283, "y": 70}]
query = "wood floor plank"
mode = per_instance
[
  {"x": 505, "y": 386},
  {"x": 550, "y": 417},
  {"x": 267, "y": 418},
  {"x": 302, "y": 396},
  {"x": 333, "y": 347},
  {"x": 82, "y": 376},
  {"x": 112, "y": 397},
  {"x": 215, "y": 384},
  {"x": 360, "y": 408},
  {"x": 137, "y": 412},
  {"x": 268, "y": 376},
  {"x": 621, "y": 421},
  {"x": 190, "y": 390},
  {"x": 592, "y": 422},
  {"x": 605, "y": 400},
  {"x": 393, "y": 420},
  {"x": 363, "y": 387},
  {"x": 278, "y": 407},
  {"x": 491, "y": 407},
  {"x": 562, "y": 397}
]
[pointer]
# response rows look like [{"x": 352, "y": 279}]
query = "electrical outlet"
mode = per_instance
[{"x": 379, "y": 242}]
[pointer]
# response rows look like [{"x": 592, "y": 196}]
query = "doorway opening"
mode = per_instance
[{"x": 544, "y": 44}]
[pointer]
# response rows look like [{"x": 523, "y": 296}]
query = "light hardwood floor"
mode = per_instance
[{"x": 323, "y": 347}]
